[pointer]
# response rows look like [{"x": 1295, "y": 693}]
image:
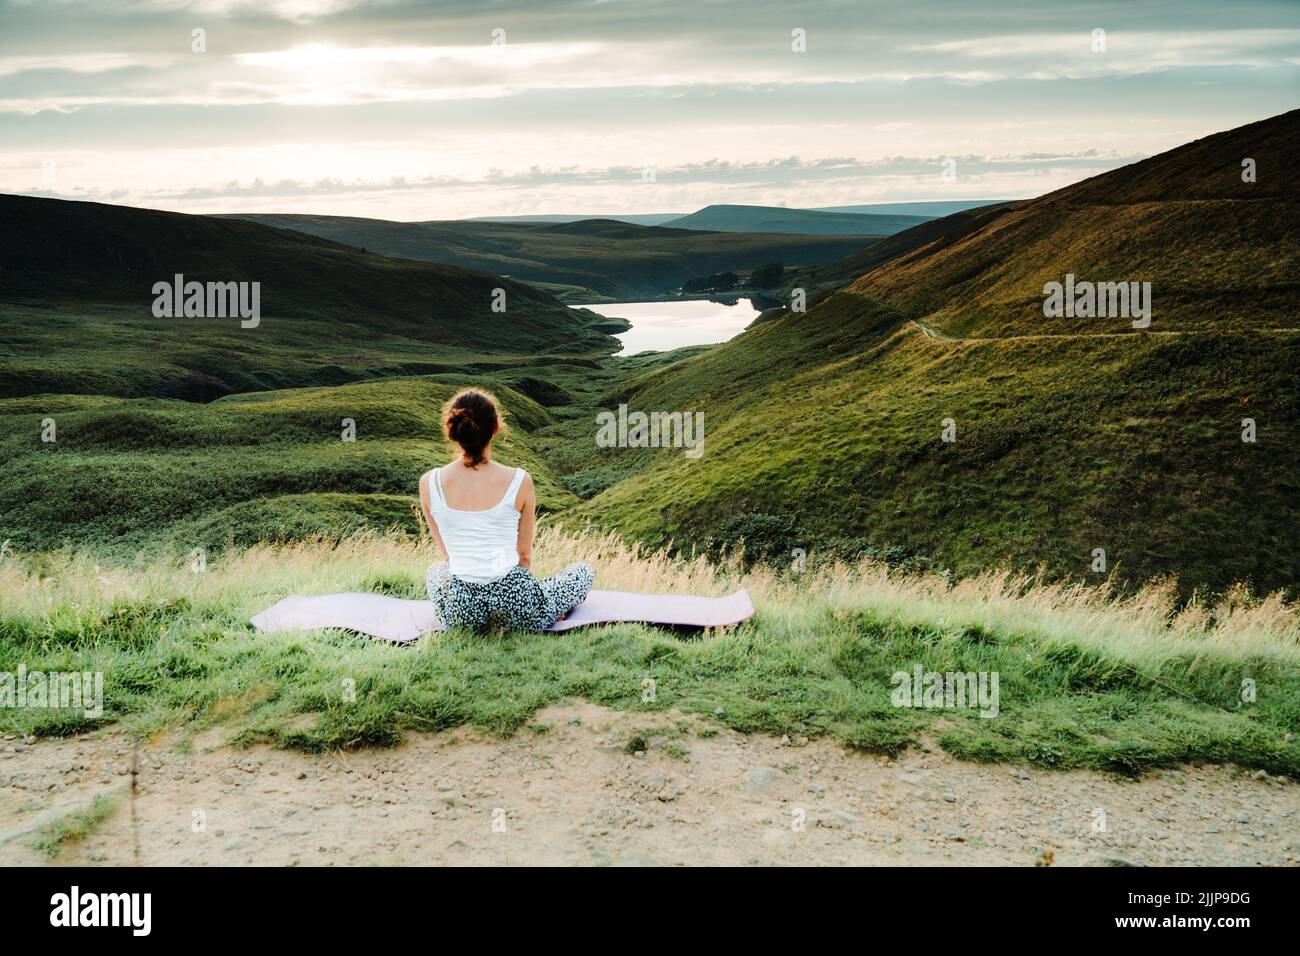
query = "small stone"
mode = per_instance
[
  {"x": 760, "y": 779},
  {"x": 950, "y": 797},
  {"x": 840, "y": 820},
  {"x": 1243, "y": 817}
]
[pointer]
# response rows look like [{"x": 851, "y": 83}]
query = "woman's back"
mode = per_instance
[
  {"x": 483, "y": 517},
  {"x": 475, "y": 489},
  {"x": 477, "y": 518}
]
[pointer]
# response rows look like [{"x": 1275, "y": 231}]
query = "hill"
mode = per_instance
[
  {"x": 647, "y": 219},
  {"x": 603, "y": 256},
  {"x": 825, "y": 430},
  {"x": 76, "y": 307},
  {"x": 924, "y": 210},
  {"x": 728, "y": 218},
  {"x": 125, "y": 474},
  {"x": 1218, "y": 252},
  {"x": 818, "y": 280},
  {"x": 931, "y": 209}
]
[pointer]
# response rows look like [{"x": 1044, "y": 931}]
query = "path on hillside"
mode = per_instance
[
  {"x": 945, "y": 337},
  {"x": 566, "y": 791}
]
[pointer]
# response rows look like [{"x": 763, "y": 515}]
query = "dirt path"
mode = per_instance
[
  {"x": 938, "y": 336},
  {"x": 572, "y": 794}
]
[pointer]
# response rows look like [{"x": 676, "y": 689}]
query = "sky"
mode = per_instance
[{"x": 410, "y": 110}]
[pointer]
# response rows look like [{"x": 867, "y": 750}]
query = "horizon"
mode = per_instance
[
  {"x": 391, "y": 111},
  {"x": 540, "y": 215}
]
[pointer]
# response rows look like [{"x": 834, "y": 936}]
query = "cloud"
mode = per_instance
[
  {"x": 408, "y": 105},
  {"x": 784, "y": 172}
]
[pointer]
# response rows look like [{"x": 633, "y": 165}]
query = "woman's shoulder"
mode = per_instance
[{"x": 510, "y": 470}]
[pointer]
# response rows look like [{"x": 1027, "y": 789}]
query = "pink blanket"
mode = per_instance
[{"x": 401, "y": 621}]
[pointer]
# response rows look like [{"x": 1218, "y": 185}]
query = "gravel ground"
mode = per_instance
[{"x": 568, "y": 790}]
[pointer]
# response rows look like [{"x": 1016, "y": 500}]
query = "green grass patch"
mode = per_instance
[
  {"x": 73, "y": 827},
  {"x": 1084, "y": 680}
]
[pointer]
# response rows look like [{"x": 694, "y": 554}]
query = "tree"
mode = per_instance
[{"x": 767, "y": 277}]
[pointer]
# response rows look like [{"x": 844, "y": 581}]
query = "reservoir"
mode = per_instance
[{"x": 661, "y": 326}]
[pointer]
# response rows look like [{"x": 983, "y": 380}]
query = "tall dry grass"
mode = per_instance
[{"x": 1141, "y": 628}]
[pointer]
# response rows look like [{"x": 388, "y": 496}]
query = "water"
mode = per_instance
[{"x": 660, "y": 326}]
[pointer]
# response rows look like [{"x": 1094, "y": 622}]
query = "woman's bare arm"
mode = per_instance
[
  {"x": 428, "y": 515},
  {"x": 526, "y": 503}
]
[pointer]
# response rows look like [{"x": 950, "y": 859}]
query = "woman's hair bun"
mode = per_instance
[{"x": 471, "y": 419}]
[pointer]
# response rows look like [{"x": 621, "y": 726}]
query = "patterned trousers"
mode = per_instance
[{"x": 516, "y": 600}]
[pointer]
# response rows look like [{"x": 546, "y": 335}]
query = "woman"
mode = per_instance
[{"x": 483, "y": 517}]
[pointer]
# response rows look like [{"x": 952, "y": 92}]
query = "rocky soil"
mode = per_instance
[{"x": 587, "y": 785}]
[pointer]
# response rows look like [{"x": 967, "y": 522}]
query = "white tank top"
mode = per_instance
[{"x": 481, "y": 545}]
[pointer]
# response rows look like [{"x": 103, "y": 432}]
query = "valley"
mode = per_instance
[
  {"x": 824, "y": 426},
  {"x": 920, "y": 472},
  {"x": 587, "y": 260}
]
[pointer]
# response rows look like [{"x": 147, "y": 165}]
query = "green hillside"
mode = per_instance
[
  {"x": 127, "y": 474},
  {"x": 76, "y": 308},
  {"x": 616, "y": 259},
  {"x": 1219, "y": 253},
  {"x": 824, "y": 429},
  {"x": 818, "y": 280}
]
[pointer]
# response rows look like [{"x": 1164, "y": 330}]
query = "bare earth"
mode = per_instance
[{"x": 566, "y": 791}]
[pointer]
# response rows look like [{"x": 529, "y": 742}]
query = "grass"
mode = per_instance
[
  {"x": 1088, "y": 678},
  {"x": 1063, "y": 445},
  {"x": 73, "y": 827},
  {"x": 823, "y": 429},
  {"x": 77, "y": 288},
  {"x": 130, "y": 474},
  {"x": 822, "y": 433}
]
